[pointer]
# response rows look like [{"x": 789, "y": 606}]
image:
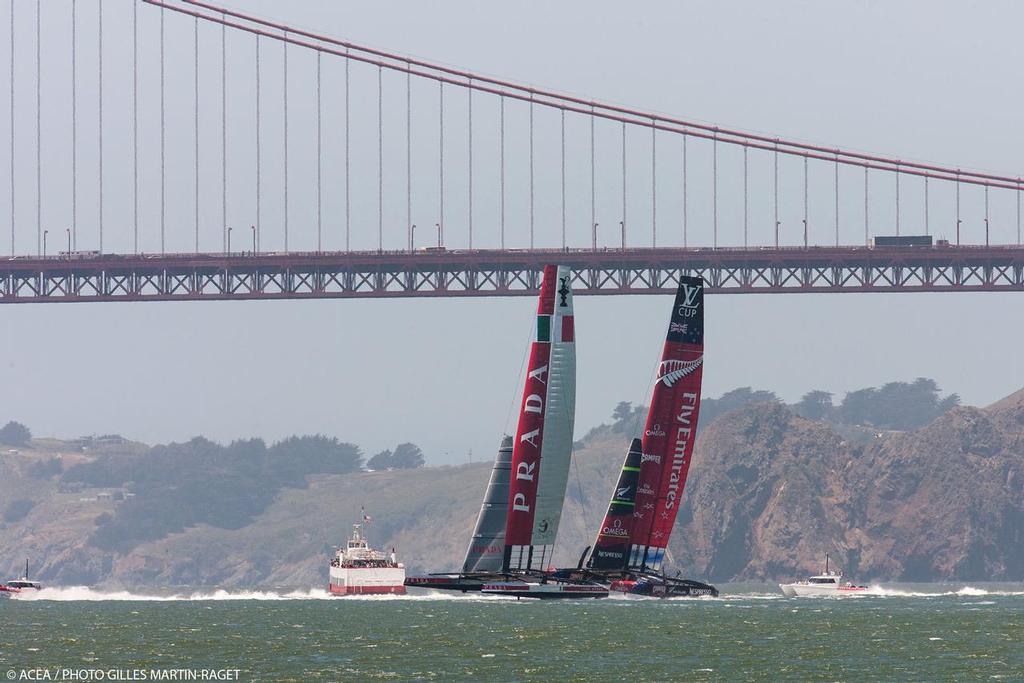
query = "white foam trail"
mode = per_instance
[
  {"x": 87, "y": 594},
  {"x": 966, "y": 591}
]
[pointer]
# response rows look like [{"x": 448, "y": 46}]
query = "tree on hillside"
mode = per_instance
[
  {"x": 15, "y": 434},
  {"x": 896, "y": 405},
  {"x": 712, "y": 408},
  {"x": 407, "y": 456},
  {"x": 380, "y": 461},
  {"x": 814, "y": 405}
]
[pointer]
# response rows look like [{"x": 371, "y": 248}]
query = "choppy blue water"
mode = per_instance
[{"x": 929, "y": 633}]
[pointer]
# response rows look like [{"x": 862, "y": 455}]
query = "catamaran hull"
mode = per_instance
[
  {"x": 452, "y": 582},
  {"x": 661, "y": 588},
  {"x": 546, "y": 591}
]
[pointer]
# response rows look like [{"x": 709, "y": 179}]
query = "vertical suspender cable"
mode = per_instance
[
  {"x": 623, "y": 185},
  {"x": 714, "y": 191},
  {"x": 837, "y": 198},
  {"x": 39, "y": 132},
  {"x": 196, "y": 122},
  {"x": 563, "y": 179},
  {"x": 284, "y": 95},
  {"x": 74, "y": 120},
  {"x": 223, "y": 136},
  {"x": 408, "y": 153},
  {"x": 531, "y": 170},
  {"x": 135, "y": 125},
  {"x": 259, "y": 152},
  {"x": 12, "y": 125},
  {"x": 380, "y": 158},
  {"x": 469, "y": 97},
  {"x": 654, "y": 183},
  {"x": 593, "y": 190},
  {"x": 746, "y": 197},
  {"x": 958, "y": 207},
  {"x": 685, "y": 204},
  {"x": 1018, "y": 214},
  {"x": 867, "y": 241},
  {"x": 440, "y": 225},
  {"x": 319, "y": 161},
  {"x": 897, "y": 199},
  {"x": 163, "y": 146},
  {"x": 986, "y": 215},
  {"x": 805, "y": 202},
  {"x": 348, "y": 168},
  {"x": 99, "y": 69},
  {"x": 501, "y": 164},
  {"x": 775, "y": 190},
  {"x": 927, "y": 231}
]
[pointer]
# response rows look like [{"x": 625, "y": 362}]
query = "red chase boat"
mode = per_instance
[
  {"x": 358, "y": 569},
  {"x": 22, "y": 585}
]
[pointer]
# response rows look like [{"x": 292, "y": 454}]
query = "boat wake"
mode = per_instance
[
  {"x": 86, "y": 594},
  {"x": 966, "y": 591}
]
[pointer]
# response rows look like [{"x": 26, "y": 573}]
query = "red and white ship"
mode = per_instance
[
  {"x": 358, "y": 569},
  {"x": 22, "y": 585}
]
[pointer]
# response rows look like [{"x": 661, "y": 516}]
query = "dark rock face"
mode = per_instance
[{"x": 770, "y": 493}]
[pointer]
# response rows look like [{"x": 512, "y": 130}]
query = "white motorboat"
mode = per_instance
[
  {"x": 22, "y": 585},
  {"x": 828, "y": 583}
]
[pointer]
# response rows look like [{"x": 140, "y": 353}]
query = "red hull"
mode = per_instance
[{"x": 367, "y": 590}]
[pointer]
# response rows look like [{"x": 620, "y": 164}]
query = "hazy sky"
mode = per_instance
[{"x": 924, "y": 80}]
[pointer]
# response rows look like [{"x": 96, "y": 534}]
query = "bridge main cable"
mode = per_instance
[{"x": 582, "y": 106}]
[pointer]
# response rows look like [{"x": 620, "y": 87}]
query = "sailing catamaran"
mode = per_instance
[
  {"x": 512, "y": 544},
  {"x": 629, "y": 552}
]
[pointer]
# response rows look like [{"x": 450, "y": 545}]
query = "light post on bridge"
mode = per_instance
[
  {"x": 412, "y": 237},
  {"x": 229, "y": 239},
  {"x": 253, "y": 239},
  {"x": 622, "y": 227},
  {"x": 438, "y": 226},
  {"x": 45, "y": 233},
  {"x": 68, "y": 231},
  {"x": 593, "y": 237}
]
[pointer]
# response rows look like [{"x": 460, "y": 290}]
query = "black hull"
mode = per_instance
[
  {"x": 507, "y": 585},
  {"x": 661, "y": 587},
  {"x": 641, "y": 584}
]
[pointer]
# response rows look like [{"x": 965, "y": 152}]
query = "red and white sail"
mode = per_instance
[
  {"x": 543, "y": 443},
  {"x": 670, "y": 429}
]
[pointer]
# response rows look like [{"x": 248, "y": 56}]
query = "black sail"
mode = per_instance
[{"x": 611, "y": 549}]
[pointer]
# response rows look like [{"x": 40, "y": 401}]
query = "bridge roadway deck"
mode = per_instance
[{"x": 435, "y": 272}]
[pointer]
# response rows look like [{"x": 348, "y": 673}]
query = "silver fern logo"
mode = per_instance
[{"x": 671, "y": 371}]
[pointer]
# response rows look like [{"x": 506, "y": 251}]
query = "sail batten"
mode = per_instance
[{"x": 543, "y": 444}]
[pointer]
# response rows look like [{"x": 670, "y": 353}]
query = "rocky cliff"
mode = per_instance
[{"x": 769, "y": 494}]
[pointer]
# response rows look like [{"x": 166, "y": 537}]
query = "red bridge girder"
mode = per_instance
[{"x": 437, "y": 273}]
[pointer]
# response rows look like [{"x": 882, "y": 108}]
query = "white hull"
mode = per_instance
[
  {"x": 803, "y": 590},
  {"x": 367, "y": 580}
]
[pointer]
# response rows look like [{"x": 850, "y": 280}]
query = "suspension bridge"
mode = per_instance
[{"x": 200, "y": 152}]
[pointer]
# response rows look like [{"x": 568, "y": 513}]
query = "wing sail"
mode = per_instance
[
  {"x": 543, "y": 444},
  {"x": 671, "y": 426}
]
